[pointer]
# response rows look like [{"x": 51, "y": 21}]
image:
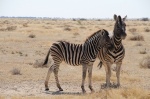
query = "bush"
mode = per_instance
[
  {"x": 67, "y": 29},
  {"x": 75, "y": 34},
  {"x": 145, "y": 63},
  {"x": 137, "y": 38},
  {"x": 11, "y": 28},
  {"x": 31, "y": 36},
  {"x": 145, "y": 19},
  {"x": 132, "y": 30},
  {"x": 39, "y": 64},
  {"x": 143, "y": 51},
  {"x": 15, "y": 71},
  {"x": 147, "y": 30},
  {"x": 82, "y": 27},
  {"x": 138, "y": 44},
  {"x": 25, "y": 24}
]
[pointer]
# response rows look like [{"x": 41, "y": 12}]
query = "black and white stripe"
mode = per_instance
[
  {"x": 108, "y": 57},
  {"x": 77, "y": 54}
]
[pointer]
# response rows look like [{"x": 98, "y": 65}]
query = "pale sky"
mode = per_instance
[{"x": 75, "y": 8}]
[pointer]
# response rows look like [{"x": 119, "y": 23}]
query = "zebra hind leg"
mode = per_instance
[
  {"x": 118, "y": 67},
  {"x": 90, "y": 78},
  {"x": 84, "y": 70},
  {"x": 100, "y": 65},
  {"x": 48, "y": 76},
  {"x": 56, "y": 77},
  {"x": 108, "y": 74}
]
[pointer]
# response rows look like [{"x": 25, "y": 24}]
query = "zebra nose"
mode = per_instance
[{"x": 123, "y": 36}]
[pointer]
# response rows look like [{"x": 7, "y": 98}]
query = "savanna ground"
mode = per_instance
[{"x": 24, "y": 44}]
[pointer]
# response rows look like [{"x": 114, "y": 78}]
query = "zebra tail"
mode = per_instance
[
  {"x": 46, "y": 59},
  {"x": 99, "y": 65}
]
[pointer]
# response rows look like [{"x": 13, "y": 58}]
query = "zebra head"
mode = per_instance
[
  {"x": 120, "y": 27},
  {"x": 106, "y": 39}
]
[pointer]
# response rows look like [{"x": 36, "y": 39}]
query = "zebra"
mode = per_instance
[
  {"x": 108, "y": 57},
  {"x": 77, "y": 54}
]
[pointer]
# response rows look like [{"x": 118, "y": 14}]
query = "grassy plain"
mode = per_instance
[{"x": 24, "y": 42}]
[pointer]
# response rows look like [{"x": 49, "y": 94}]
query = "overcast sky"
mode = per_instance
[{"x": 75, "y": 8}]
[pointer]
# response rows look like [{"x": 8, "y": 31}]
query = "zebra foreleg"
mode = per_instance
[
  {"x": 48, "y": 76},
  {"x": 84, "y": 70},
  {"x": 108, "y": 74},
  {"x": 100, "y": 65},
  {"x": 56, "y": 78},
  {"x": 90, "y": 77},
  {"x": 118, "y": 67}
]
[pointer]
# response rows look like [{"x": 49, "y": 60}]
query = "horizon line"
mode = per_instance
[{"x": 61, "y": 17}]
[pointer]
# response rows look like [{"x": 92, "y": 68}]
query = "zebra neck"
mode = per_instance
[{"x": 117, "y": 41}]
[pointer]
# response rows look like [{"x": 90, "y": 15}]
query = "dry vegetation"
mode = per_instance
[
  {"x": 15, "y": 71},
  {"x": 25, "y": 43},
  {"x": 137, "y": 38},
  {"x": 145, "y": 63}
]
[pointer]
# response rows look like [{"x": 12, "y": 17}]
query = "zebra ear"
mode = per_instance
[
  {"x": 124, "y": 18},
  {"x": 115, "y": 17},
  {"x": 102, "y": 33},
  {"x": 119, "y": 20}
]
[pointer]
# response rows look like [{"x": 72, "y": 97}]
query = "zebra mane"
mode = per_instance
[
  {"x": 92, "y": 35},
  {"x": 111, "y": 34},
  {"x": 67, "y": 42}
]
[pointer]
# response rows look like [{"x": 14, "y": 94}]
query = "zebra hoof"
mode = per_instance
[
  {"x": 93, "y": 91},
  {"x": 47, "y": 89},
  {"x": 61, "y": 89},
  {"x": 84, "y": 92}
]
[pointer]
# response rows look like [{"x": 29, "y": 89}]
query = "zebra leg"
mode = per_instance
[
  {"x": 90, "y": 77},
  {"x": 100, "y": 65},
  {"x": 48, "y": 76},
  {"x": 108, "y": 74},
  {"x": 84, "y": 69},
  {"x": 118, "y": 67},
  {"x": 56, "y": 77}
]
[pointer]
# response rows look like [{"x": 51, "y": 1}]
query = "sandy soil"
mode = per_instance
[{"x": 18, "y": 50}]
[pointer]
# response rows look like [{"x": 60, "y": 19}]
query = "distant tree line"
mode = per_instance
[{"x": 75, "y": 19}]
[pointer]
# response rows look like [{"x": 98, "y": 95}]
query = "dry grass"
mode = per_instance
[
  {"x": 127, "y": 93},
  {"x": 124, "y": 77},
  {"x": 145, "y": 63},
  {"x": 15, "y": 71},
  {"x": 137, "y": 38}
]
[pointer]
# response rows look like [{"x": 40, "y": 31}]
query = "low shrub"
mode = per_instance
[{"x": 137, "y": 38}]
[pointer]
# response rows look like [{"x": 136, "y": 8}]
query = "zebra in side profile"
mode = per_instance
[
  {"x": 108, "y": 57},
  {"x": 77, "y": 54}
]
